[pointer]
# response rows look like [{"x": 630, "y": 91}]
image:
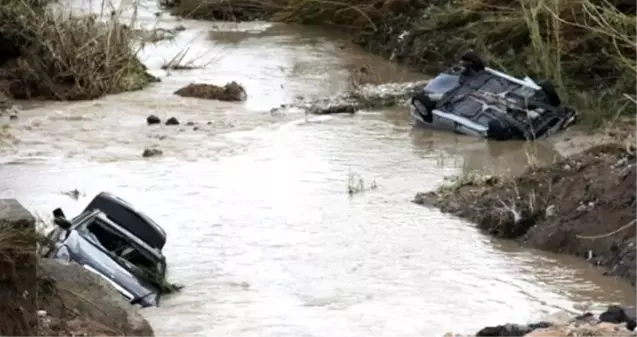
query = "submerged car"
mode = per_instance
[
  {"x": 127, "y": 216},
  {"x": 114, "y": 250},
  {"x": 472, "y": 99}
]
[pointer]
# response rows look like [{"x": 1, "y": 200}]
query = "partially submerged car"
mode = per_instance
[
  {"x": 134, "y": 220},
  {"x": 472, "y": 99},
  {"x": 118, "y": 243}
]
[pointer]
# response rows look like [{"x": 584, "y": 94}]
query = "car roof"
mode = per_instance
[
  {"x": 104, "y": 217},
  {"x": 132, "y": 209}
]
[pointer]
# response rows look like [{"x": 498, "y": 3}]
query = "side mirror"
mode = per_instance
[
  {"x": 62, "y": 222},
  {"x": 57, "y": 213}
]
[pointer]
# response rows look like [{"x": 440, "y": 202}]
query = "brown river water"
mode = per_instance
[{"x": 261, "y": 229}]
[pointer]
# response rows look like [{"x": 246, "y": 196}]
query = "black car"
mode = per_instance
[
  {"x": 110, "y": 249},
  {"x": 473, "y": 99}
]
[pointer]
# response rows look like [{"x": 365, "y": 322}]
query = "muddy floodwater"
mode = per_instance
[{"x": 261, "y": 229}]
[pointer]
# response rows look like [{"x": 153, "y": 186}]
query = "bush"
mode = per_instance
[{"x": 52, "y": 56}]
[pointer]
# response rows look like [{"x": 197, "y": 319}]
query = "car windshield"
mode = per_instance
[
  {"x": 123, "y": 248},
  {"x": 442, "y": 84}
]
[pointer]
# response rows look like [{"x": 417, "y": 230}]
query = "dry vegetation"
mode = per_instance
[
  {"x": 47, "y": 55},
  {"x": 586, "y": 47}
]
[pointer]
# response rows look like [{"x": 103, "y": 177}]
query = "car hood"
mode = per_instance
[{"x": 94, "y": 259}]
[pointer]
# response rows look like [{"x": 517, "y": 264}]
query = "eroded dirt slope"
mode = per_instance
[{"x": 582, "y": 205}]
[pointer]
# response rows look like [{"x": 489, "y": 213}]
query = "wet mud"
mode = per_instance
[{"x": 582, "y": 205}]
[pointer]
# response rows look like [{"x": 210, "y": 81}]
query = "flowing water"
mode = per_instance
[{"x": 261, "y": 229}]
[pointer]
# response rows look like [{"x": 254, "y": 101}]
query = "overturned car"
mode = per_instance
[
  {"x": 472, "y": 99},
  {"x": 118, "y": 243}
]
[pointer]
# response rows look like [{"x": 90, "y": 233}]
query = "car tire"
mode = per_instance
[
  {"x": 425, "y": 101},
  {"x": 472, "y": 61},
  {"x": 498, "y": 132},
  {"x": 551, "y": 94}
]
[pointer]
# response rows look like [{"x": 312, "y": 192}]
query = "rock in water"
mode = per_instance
[
  {"x": 172, "y": 121},
  {"x": 510, "y": 329},
  {"x": 69, "y": 292},
  {"x": 152, "y": 119},
  {"x": 617, "y": 314},
  {"x": 152, "y": 152},
  {"x": 230, "y": 92}
]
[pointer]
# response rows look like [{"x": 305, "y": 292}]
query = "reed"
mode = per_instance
[{"x": 47, "y": 54}]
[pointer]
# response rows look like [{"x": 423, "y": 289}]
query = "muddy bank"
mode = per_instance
[
  {"x": 615, "y": 321},
  {"x": 582, "y": 205},
  {"x": 51, "y": 298}
]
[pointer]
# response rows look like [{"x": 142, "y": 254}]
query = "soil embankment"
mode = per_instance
[
  {"x": 43, "y": 297},
  {"x": 582, "y": 205},
  {"x": 51, "y": 55}
]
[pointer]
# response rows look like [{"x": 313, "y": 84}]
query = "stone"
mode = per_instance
[
  {"x": 152, "y": 152},
  {"x": 505, "y": 330},
  {"x": 229, "y": 92},
  {"x": 617, "y": 314},
  {"x": 426, "y": 198},
  {"x": 172, "y": 121},
  {"x": 152, "y": 119}
]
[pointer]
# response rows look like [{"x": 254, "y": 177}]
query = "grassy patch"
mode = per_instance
[{"x": 47, "y": 55}]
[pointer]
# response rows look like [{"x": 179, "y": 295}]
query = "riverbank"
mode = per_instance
[
  {"x": 558, "y": 40},
  {"x": 48, "y": 54},
  {"x": 582, "y": 205}
]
